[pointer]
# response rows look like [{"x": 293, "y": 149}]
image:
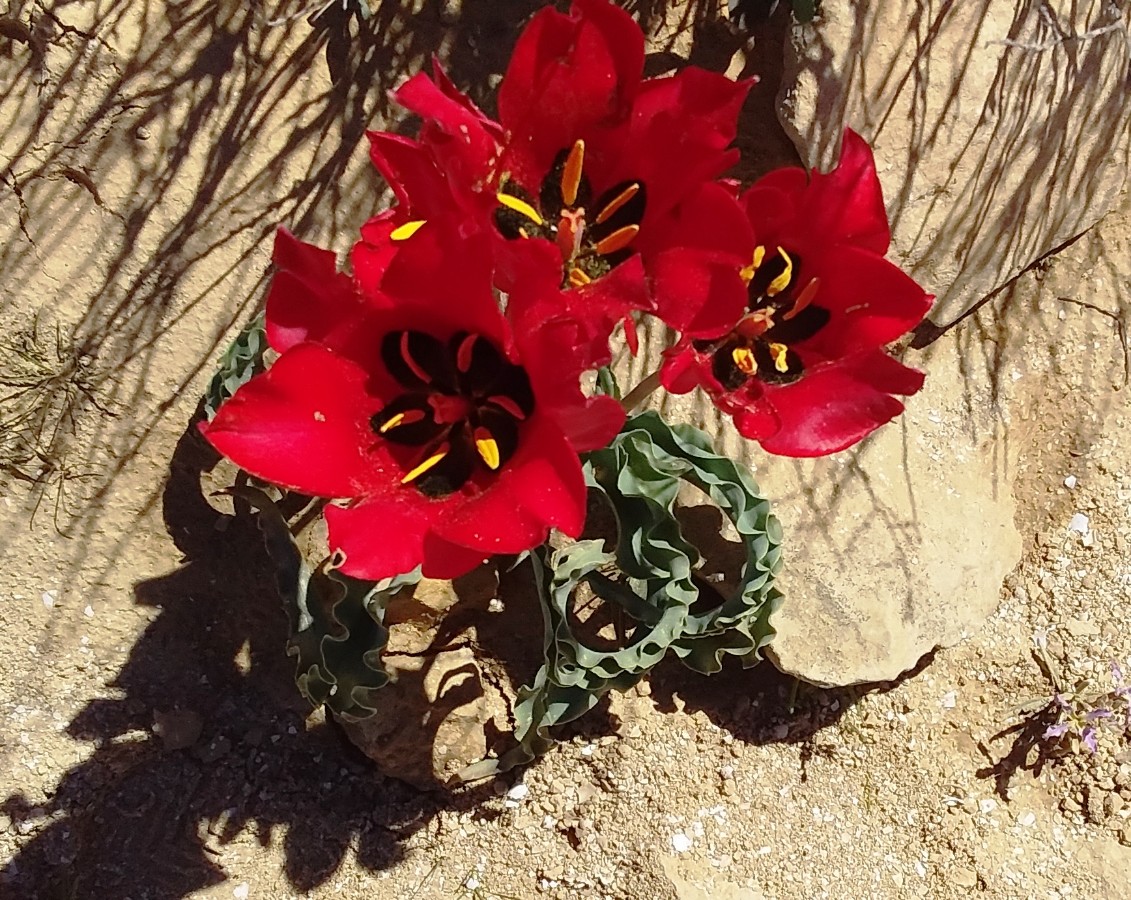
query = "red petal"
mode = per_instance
[
  {"x": 873, "y": 302},
  {"x": 567, "y": 76},
  {"x": 696, "y": 292},
  {"x": 710, "y": 219},
  {"x": 677, "y": 138},
  {"x": 303, "y": 424},
  {"x": 308, "y": 295},
  {"x": 459, "y": 136},
  {"x": 682, "y": 371},
  {"x": 392, "y": 534},
  {"x": 835, "y": 406},
  {"x": 848, "y": 202}
]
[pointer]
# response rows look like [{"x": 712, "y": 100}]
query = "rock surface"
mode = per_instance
[{"x": 1001, "y": 129}]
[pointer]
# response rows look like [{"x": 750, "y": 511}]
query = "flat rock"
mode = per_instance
[{"x": 1001, "y": 130}]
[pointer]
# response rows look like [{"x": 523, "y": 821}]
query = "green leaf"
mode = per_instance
[
  {"x": 242, "y": 360},
  {"x": 640, "y": 474},
  {"x": 337, "y": 622}
]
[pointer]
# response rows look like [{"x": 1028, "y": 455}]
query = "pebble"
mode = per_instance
[
  {"x": 1080, "y": 523},
  {"x": 88, "y": 611},
  {"x": 961, "y": 876},
  {"x": 49, "y": 598},
  {"x": 1070, "y": 481},
  {"x": 681, "y": 843},
  {"x": 241, "y": 891}
]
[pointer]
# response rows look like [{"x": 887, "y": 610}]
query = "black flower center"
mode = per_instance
[
  {"x": 780, "y": 313},
  {"x": 593, "y": 236},
  {"x": 460, "y": 412}
]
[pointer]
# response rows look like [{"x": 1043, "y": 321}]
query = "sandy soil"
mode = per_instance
[{"x": 153, "y": 744}]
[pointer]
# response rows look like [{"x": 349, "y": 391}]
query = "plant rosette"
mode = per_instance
[{"x": 437, "y": 404}]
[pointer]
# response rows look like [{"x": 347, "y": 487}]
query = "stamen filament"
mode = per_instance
[
  {"x": 463, "y": 353},
  {"x": 427, "y": 464},
  {"x": 617, "y": 202},
  {"x": 804, "y": 298},
  {"x": 618, "y": 240},
  {"x": 507, "y": 405},
  {"x": 521, "y": 207},
  {"x": 406, "y": 355},
  {"x": 405, "y": 231},
  {"x": 780, "y": 283},
  {"x": 571, "y": 174}
]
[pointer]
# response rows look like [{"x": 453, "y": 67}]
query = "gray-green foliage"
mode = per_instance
[
  {"x": 641, "y": 473},
  {"x": 337, "y": 623},
  {"x": 242, "y": 360}
]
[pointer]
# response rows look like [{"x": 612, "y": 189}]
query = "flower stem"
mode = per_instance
[{"x": 641, "y": 392}]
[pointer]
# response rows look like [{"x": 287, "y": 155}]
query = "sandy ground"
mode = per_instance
[{"x": 153, "y": 745}]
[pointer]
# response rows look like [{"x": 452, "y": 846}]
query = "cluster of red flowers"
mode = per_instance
[{"x": 447, "y": 424}]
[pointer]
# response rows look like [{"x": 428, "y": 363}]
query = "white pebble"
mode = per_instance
[
  {"x": 1027, "y": 819},
  {"x": 987, "y": 806},
  {"x": 519, "y": 792},
  {"x": 681, "y": 843},
  {"x": 240, "y": 891},
  {"x": 1070, "y": 482},
  {"x": 1079, "y": 523},
  {"x": 49, "y": 598},
  {"x": 949, "y": 700},
  {"x": 88, "y": 612}
]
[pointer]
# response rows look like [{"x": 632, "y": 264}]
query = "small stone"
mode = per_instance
[
  {"x": 241, "y": 891},
  {"x": 987, "y": 806},
  {"x": 1081, "y": 628},
  {"x": 88, "y": 611},
  {"x": 178, "y": 729},
  {"x": 681, "y": 843},
  {"x": 1027, "y": 819},
  {"x": 1070, "y": 482},
  {"x": 1080, "y": 523},
  {"x": 519, "y": 792},
  {"x": 49, "y": 598},
  {"x": 960, "y": 876}
]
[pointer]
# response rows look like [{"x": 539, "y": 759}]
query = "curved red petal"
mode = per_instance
[
  {"x": 308, "y": 296},
  {"x": 303, "y": 424},
  {"x": 568, "y": 76},
  {"x": 459, "y": 136},
  {"x": 697, "y": 293},
  {"x": 677, "y": 138},
  {"x": 711, "y": 218},
  {"x": 835, "y": 406},
  {"x": 872, "y": 301},
  {"x": 682, "y": 371},
  {"x": 848, "y": 202}
]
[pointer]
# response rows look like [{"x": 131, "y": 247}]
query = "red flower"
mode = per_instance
[
  {"x": 451, "y": 435},
  {"x": 587, "y": 158},
  {"x": 803, "y": 370}
]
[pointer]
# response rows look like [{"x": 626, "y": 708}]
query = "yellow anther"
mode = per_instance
[
  {"x": 578, "y": 278},
  {"x": 747, "y": 272},
  {"x": 488, "y": 451},
  {"x": 744, "y": 358},
  {"x": 780, "y": 354},
  {"x": 618, "y": 240},
  {"x": 405, "y": 231},
  {"x": 392, "y": 423},
  {"x": 780, "y": 283},
  {"x": 521, "y": 207},
  {"x": 804, "y": 298},
  {"x": 571, "y": 174},
  {"x": 617, "y": 202},
  {"x": 426, "y": 465}
]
